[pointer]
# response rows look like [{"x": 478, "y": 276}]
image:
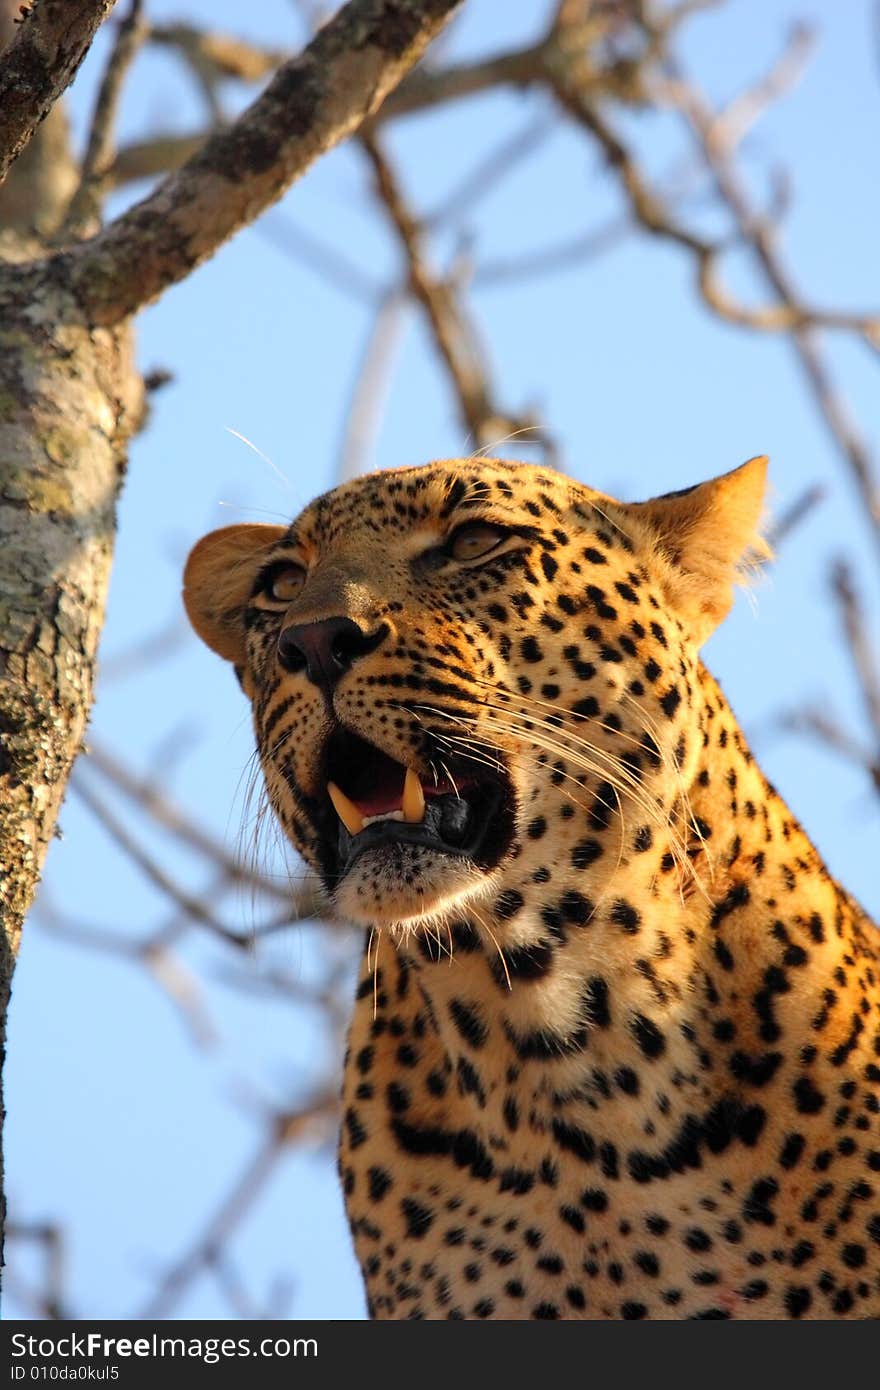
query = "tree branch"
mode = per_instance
[
  {"x": 287, "y": 1129},
  {"x": 855, "y": 628},
  {"x": 159, "y": 154},
  {"x": 40, "y": 63},
  {"x": 84, "y": 213},
  {"x": 215, "y": 57},
  {"x": 313, "y": 102},
  {"x": 453, "y": 333}
]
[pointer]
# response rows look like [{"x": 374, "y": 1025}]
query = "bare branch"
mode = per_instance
[
  {"x": 826, "y": 730},
  {"x": 821, "y": 725},
  {"x": 784, "y": 317},
  {"x": 83, "y": 216},
  {"x": 792, "y": 517},
  {"x": 584, "y": 246},
  {"x": 39, "y": 64},
  {"x": 454, "y": 335},
  {"x": 856, "y": 631},
  {"x": 147, "y": 159},
  {"x": 192, "y": 905},
  {"x": 425, "y": 89},
  {"x": 287, "y": 1129},
  {"x": 498, "y": 165},
  {"x": 842, "y": 428},
  {"x": 301, "y": 901},
  {"x": 757, "y": 235},
  {"x": 216, "y": 57},
  {"x": 650, "y": 210},
  {"x": 739, "y": 116},
  {"x": 152, "y": 952},
  {"x": 146, "y": 654},
  {"x": 370, "y": 389},
  {"x": 675, "y": 16},
  {"x": 561, "y": 256},
  {"x": 313, "y": 102},
  {"x": 50, "y": 1301},
  {"x": 315, "y": 252}
]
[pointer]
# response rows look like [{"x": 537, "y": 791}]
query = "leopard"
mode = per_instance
[{"x": 614, "y": 1050}]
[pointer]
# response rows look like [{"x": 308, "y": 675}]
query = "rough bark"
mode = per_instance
[
  {"x": 313, "y": 102},
  {"x": 53, "y": 38},
  {"x": 68, "y": 402},
  {"x": 35, "y": 198},
  {"x": 69, "y": 399}
]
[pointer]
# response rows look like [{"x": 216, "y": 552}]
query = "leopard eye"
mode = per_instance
[
  {"x": 473, "y": 540},
  {"x": 282, "y": 582}
]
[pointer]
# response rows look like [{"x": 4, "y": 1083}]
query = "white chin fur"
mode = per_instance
[{"x": 375, "y": 891}]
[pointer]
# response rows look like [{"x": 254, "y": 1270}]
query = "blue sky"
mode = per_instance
[{"x": 121, "y": 1130}]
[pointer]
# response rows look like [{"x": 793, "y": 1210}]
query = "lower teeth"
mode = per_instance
[
  {"x": 387, "y": 815},
  {"x": 447, "y": 818}
]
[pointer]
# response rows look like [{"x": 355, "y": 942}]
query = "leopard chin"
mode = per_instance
[{"x": 407, "y": 888}]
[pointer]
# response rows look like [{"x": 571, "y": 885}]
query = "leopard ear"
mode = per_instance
[
  {"x": 218, "y": 581},
  {"x": 707, "y": 538}
]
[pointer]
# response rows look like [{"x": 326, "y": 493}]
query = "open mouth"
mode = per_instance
[{"x": 373, "y": 800}]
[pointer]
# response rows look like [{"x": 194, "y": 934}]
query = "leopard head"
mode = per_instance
[{"x": 454, "y": 667}]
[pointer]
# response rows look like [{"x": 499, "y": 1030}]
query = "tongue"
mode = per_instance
[
  {"x": 379, "y": 804},
  {"x": 385, "y": 799}
]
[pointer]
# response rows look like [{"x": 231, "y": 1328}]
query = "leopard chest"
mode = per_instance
[{"x": 471, "y": 1196}]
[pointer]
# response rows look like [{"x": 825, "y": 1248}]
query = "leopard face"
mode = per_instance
[{"x": 450, "y": 664}]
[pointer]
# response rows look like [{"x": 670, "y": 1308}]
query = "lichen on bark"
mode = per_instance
[{"x": 69, "y": 400}]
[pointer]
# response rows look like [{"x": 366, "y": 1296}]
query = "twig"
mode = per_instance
[
  {"x": 319, "y": 256},
  {"x": 734, "y": 121},
  {"x": 756, "y": 235},
  {"x": 649, "y": 209},
  {"x": 792, "y": 517},
  {"x": 842, "y": 428},
  {"x": 146, "y": 159},
  {"x": 826, "y": 730},
  {"x": 189, "y": 903},
  {"x": 152, "y": 952},
  {"x": 287, "y": 1129},
  {"x": 83, "y": 216},
  {"x": 370, "y": 389},
  {"x": 240, "y": 1300},
  {"x": 50, "y": 1302},
  {"x": 483, "y": 180},
  {"x": 819, "y": 723},
  {"x": 146, "y": 654},
  {"x": 856, "y": 632},
  {"x": 583, "y": 247},
  {"x": 301, "y": 901},
  {"x": 453, "y": 334},
  {"x": 215, "y": 57},
  {"x": 425, "y": 89},
  {"x": 565, "y": 254}
]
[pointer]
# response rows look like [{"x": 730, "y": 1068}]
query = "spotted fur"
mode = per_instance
[{"x": 632, "y": 1069}]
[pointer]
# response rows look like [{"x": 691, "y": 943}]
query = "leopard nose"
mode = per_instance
[{"x": 326, "y": 649}]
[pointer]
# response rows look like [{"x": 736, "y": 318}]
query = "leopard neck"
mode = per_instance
[{"x": 587, "y": 1002}]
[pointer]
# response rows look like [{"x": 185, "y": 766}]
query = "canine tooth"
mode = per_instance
[
  {"x": 413, "y": 804},
  {"x": 345, "y": 809}
]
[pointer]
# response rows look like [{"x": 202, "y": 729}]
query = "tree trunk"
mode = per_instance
[{"x": 70, "y": 399}]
